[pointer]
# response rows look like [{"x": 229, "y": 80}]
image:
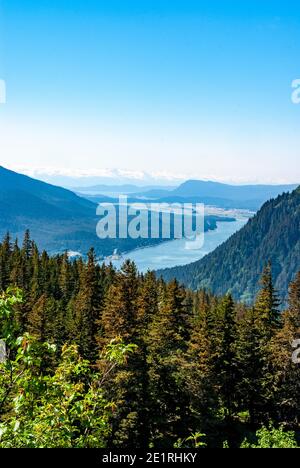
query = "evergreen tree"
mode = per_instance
[
  {"x": 225, "y": 359},
  {"x": 250, "y": 365},
  {"x": 119, "y": 319},
  {"x": 87, "y": 306},
  {"x": 167, "y": 341},
  {"x": 288, "y": 372},
  {"x": 5, "y": 258},
  {"x": 199, "y": 366},
  {"x": 255, "y": 361},
  {"x": 267, "y": 305}
]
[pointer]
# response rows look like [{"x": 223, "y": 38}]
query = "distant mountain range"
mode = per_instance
[
  {"x": 272, "y": 235},
  {"x": 123, "y": 188},
  {"x": 249, "y": 197},
  {"x": 86, "y": 179}
]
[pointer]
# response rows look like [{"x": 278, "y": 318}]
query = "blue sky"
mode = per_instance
[{"x": 173, "y": 89}]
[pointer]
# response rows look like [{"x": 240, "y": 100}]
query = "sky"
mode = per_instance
[{"x": 151, "y": 90}]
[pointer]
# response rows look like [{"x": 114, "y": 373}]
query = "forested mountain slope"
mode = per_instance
[
  {"x": 58, "y": 219},
  {"x": 272, "y": 235}
]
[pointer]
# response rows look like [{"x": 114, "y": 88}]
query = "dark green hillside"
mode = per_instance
[
  {"x": 272, "y": 235},
  {"x": 57, "y": 218}
]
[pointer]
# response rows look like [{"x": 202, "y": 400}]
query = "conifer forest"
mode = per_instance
[{"x": 95, "y": 357}]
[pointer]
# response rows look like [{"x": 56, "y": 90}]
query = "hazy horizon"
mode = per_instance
[{"x": 115, "y": 178}]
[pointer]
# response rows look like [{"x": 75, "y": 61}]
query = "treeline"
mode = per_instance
[{"x": 203, "y": 364}]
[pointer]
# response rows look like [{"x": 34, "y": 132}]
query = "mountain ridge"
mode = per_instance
[
  {"x": 235, "y": 266},
  {"x": 250, "y": 197},
  {"x": 57, "y": 218}
]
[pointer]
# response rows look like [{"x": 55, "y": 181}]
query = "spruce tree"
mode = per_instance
[
  {"x": 288, "y": 372},
  {"x": 199, "y": 366},
  {"x": 255, "y": 360},
  {"x": 87, "y": 306},
  {"x": 225, "y": 359},
  {"x": 267, "y": 304},
  {"x": 119, "y": 320},
  {"x": 5, "y": 261},
  {"x": 167, "y": 341}
]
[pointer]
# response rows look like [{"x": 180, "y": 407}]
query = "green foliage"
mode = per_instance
[
  {"x": 197, "y": 440},
  {"x": 193, "y": 441},
  {"x": 272, "y": 438},
  {"x": 117, "y": 352},
  {"x": 8, "y": 326},
  {"x": 40, "y": 408},
  {"x": 66, "y": 409}
]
